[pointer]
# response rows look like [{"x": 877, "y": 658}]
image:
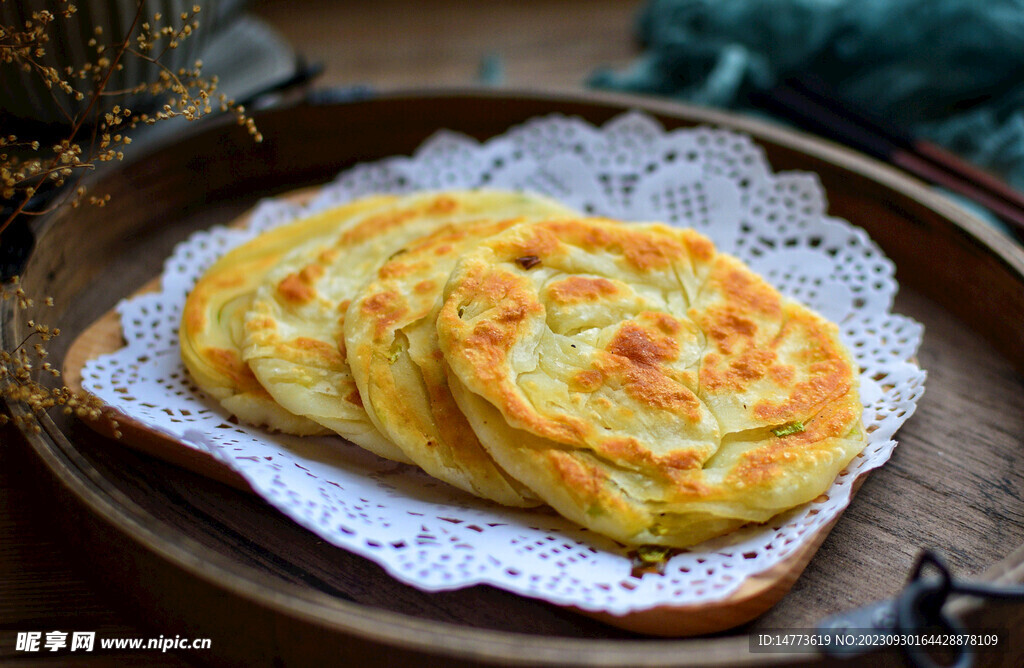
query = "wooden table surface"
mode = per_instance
[{"x": 541, "y": 44}]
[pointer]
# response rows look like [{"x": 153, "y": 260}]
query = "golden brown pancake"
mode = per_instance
[
  {"x": 393, "y": 352},
  {"x": 294, "y": 340},
  {"x": 644, "y": 385},
  {"x": 212, "y": 320}
]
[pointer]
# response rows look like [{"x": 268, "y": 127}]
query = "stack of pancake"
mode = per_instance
[{"x": 628, "y": 375}]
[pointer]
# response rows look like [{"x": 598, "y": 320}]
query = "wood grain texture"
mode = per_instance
[
  {"x": 538, "y": 43},
  {"x": 190, "y": 553},
  {"x": 40, "y": 590}
]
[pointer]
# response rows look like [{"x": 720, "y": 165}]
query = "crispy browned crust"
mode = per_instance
[
  {"x": 294, "y": 329},
  {"x": 215, "y": 309},
  {"x": 679, "y": 416}
]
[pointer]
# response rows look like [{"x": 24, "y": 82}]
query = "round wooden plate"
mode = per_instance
[{"x": 197, "y": 557}]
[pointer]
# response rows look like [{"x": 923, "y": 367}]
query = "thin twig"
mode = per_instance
[{"x": 79, "y": 122}]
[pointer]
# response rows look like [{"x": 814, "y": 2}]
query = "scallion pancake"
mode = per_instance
[
  {"x": 643, "y": 384},
  {"x": 294, "y": 340},
  {"x": 394, "y": 356},
  {"x": 213, "y": 317}
]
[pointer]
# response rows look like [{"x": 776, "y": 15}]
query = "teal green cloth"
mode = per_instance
[{"x": 948, "y": 70}]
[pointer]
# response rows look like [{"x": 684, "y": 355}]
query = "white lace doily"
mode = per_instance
[{"x": 434, "y": 537}]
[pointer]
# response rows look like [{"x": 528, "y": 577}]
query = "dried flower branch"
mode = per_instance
[
  {"x": 98, "y": 133},
  {"x": 19, "y": 368},
  {"x": 29, "y": 165}
]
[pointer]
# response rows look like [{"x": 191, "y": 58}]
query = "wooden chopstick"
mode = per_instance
[{"x": 808, "y": 102}]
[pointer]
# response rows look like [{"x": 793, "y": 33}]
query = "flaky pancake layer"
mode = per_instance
[
  {"x": 643, "y": 384},
  {"x": 293, "y": 333},
  {"x": 397, "y": 365},
  {"x": 211, "y": 334}
]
